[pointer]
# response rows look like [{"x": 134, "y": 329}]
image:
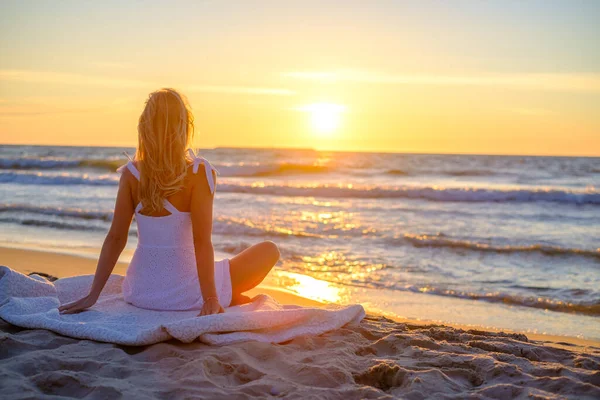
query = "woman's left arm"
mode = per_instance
[{"x": 115, "y": 242}]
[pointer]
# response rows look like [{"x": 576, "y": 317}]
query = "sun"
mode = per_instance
[{"x": 324, "y": 117}]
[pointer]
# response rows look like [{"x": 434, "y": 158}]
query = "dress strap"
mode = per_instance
[
  {"x": 131, "y": 168},
  {"x": 166, "y": 203},
  {"x": 208, "y": 168},
  {"x": 170, "y": 207}
]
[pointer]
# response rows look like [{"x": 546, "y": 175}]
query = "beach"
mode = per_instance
[
  {"x": 379, "y": 358},
  {"x": 478, "y": 275}
]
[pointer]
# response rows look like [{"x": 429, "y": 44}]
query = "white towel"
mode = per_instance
[{"x": 32, "y": 302}]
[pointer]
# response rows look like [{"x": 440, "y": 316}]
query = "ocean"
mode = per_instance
[{"x": 506, "y": 242}]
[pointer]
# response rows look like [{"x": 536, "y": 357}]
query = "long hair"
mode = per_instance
[{"x": 165, "y": 131}]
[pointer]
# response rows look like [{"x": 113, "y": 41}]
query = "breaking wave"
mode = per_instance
[
  {"x": 253, "y": 170},
  {"x": 441, "y": 241},
  {"x": 433, "y": 193},
  {"x": 58, "y": 163},
  {"x": 226, "y": 226},
  {"x": 57, "y": 179},
  {"x": 268, "y": 170},
  {"x": 430, "y": 193},
  {"x": 57, "y": 211},
  {"x": 587, "y": 307}
]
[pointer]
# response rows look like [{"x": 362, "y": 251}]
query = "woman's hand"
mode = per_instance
[
  {"x": 78, "y": 305},
  {"x": 211, "y": 306}
]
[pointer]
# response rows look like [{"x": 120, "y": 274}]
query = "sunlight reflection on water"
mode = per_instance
[{"x": 311, "y": 288}]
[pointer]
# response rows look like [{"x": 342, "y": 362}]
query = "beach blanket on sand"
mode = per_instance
[{"x": 32, "y": 302}]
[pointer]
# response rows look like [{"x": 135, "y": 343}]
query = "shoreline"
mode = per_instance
[{"x": 60, "y": 265}]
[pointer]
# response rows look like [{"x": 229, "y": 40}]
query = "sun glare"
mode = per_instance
[{"x": 324, "y": 117}]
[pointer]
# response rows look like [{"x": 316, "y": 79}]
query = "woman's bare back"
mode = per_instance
[{"x": 182, "y": 199}]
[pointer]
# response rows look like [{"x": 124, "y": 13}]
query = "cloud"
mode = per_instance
[
  {"x": 331, "y": 108},
  {"x": 530, "y": 111},
  {"x": 37, "y": 109},
  {"x": 91, "y": 80},
  {"x": 113, "y": 65},
  {"x": 54, "y": 105},
  {"x": 66, "y": 79},
  {"x": 558, "y": 82},
  {"x": 240, "y": 90},
  {"x": 32, "y": 113}
]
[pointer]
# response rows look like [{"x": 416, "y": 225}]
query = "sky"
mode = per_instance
[{"x": 485, "y": 77}]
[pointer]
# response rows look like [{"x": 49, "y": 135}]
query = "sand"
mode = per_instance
[{"x": 380, "y": 358}]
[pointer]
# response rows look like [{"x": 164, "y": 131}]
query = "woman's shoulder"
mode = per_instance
[
  {"x": 201, "y": 171},
  {"x": 196, "y": 161},
  {"x": 129, "y": 170}
]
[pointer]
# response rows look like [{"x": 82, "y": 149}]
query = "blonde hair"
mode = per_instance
[{"x": 165, "y": 131}]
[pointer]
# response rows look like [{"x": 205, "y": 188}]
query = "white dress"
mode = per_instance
[{"x": 162, "y": 274}]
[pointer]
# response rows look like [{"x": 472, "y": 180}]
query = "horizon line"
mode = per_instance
[{"x": 326, "y": 151}]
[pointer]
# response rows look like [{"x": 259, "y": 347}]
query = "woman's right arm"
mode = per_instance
[
  {"x": 202, "y": 220},
  {"x": 115, "y": 242}
]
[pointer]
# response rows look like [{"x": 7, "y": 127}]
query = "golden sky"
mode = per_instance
[{"x": 498, "y": 77}]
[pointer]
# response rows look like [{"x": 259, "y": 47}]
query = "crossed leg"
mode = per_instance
[{"x": 250, "y": 267}]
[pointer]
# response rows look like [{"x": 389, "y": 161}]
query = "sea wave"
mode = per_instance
[
  {"x": 231, "y": 226},
  {"x": 240, "y": 227},
  {"x": 52, "y": 224},
  {"x": 267, "y": 170},
  {"x": 58, "y": 179},
  {"x": 430, "y": 193},
  {"x": 226, "y": 226},
  {"x": 57, "y": 211},
  {"x": 441, "y": 241},
  {"x": 251, "y": 170},
  {"x": 440, "y": 172},
  {"x": 108, "y": 165},
  {"x": 466, "y": 172},
  {"x": 396, "y": 172},
  {"x": 37, "y": 163},
  {"x": 228, "y": 170},
  {"x": 591, "y": 307},
  {"x": 50, "y": 163}
]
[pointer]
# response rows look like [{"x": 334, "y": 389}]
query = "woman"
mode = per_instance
[{"x": 170, "y": 190}]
